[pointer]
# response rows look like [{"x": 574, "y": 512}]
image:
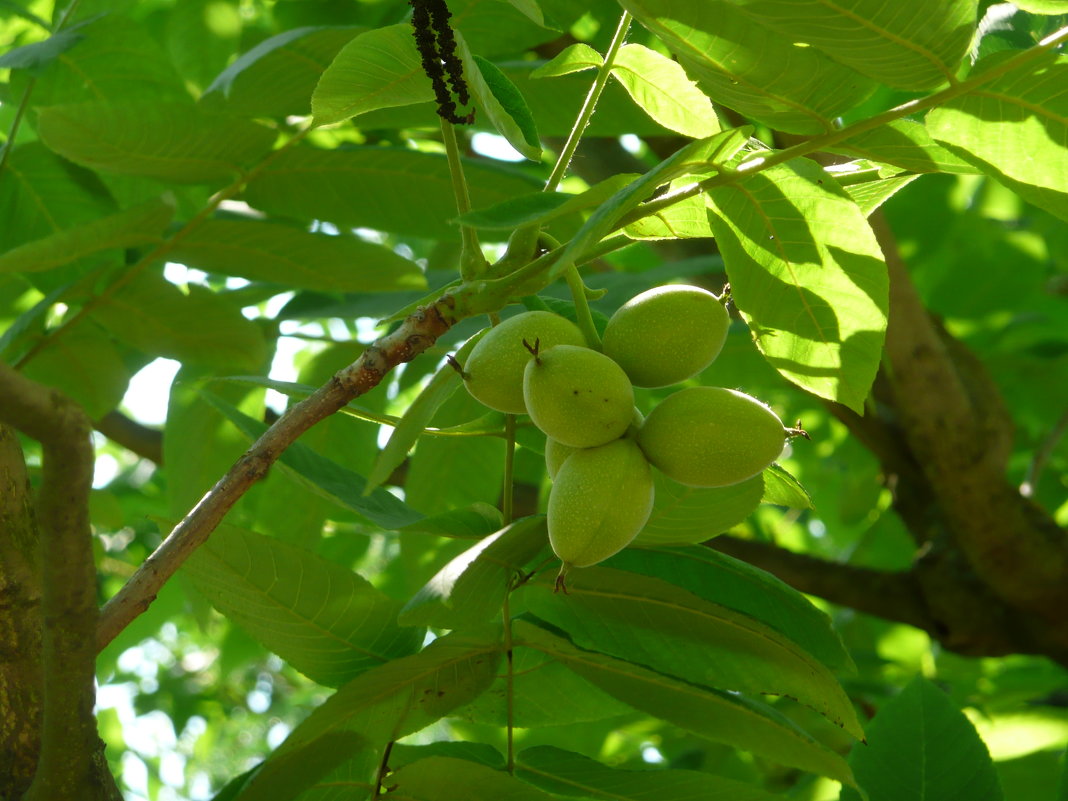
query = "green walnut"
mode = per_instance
[
  {"x": 557, "y": 452},
  {"x": 494, "y": 370},
  {"x": 577, "y": 396},
  {"x": 599, "y": 502},
  {"x": 711, "y": 437},
  {"x": 667, "y": 334}
]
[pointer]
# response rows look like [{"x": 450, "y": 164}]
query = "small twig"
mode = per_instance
[
  {"x": 383, "y": 769},
  {"x": 1042, "y": 455}
]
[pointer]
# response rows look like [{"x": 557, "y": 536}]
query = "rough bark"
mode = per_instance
[
  {"x": 20, "y": 623},
  {"x": 70, "y": 762}
]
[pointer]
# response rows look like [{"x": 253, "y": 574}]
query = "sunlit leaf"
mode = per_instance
[
  {"x": 573, "y": 58},
  {"x": 661, "y": 87},
  {"x": 807, "y": 275},
  {"x": 1014, "y": 128}
]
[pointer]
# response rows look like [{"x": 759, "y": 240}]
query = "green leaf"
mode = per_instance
[
  {"x": 752, "y": 68},
  {"x": 200, "y": 327},
  {"x": 399, "y": 190},
  {"x": 920, "y": 746},
  {"x": 686, "y": 219},
  {"x": 566, "y": 773},
  {"x": 737, "y": 585},
  {"x": 42, "y": 194},
  {"x": 470, "y": 589},
  {"x": 402, "y": 754},
  {"x": 469, "y": 523},
  {"x": 906, "y": 144},
  {"x": 503, "y": 103},
  {"x": 117, "y": 61},
  {"x": 1014, "y": 128},
  {"x": 1043, "y": 6},
  {"x": 202, "y": 35},
  {"x": 416, "y": 419},
  {"x": 140, "y": 225},
  {"x": 914, "y": 47},
  {"x": 264, "y": 251},
  {"x": 439, "y": 778},
  {"x": 573, "y": 58},
  {"x": 703, "y": 156},
  {"x": 384, "y": 704},
  {"x": 85, "y": 366},
  {"x": 326, "y": 621},
  {"x": 661, "y": 87},
  {"x": 807, "y": 275},
  {"x": 682, "y": 514},
  {"x": 35, "y": 55},
  {"x": 782, "y": 489},
  {"x": 166, "y": 141},
  {"x": 543, "y": 693},
  {"x": 380, "y": 68},
  {"x": 870, "y": 195},
  {"x": 276, "y": 78},
  {"x": 717, "y": 716},
  {"x": 530, "y": 9},
  {"x": 655, "y": 623},
  {"x": 326, "y": 476}
]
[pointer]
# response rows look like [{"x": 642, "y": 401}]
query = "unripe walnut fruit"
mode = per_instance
[
  {"x": 599, "y": 502},
  {"x": 557, "y": 452},
  {"x": 494, "y": 370},
  {"x": 711, "y": 437},
  {"x": 667, "y": 334},
  {"x": 577, "y": 396}
]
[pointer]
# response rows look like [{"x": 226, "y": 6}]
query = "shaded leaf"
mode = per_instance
[
  {"x": 337, "y": 483},
  {"x": 440, "y": 778},
  {"x": 661, "y": 87},
  {"x": 169, "y": 142},
  {"x": 683, "y": 514},
  {"x": 264, "y": 251},
  {"x": 470, "y": 589},
  {"x": 384, "y": 704},
  {"x": 36, "y": 54},
  {"x": 737, "y": 585},
  {"x": 658, "y": 624},
  {"x": 807, "y": 275},
  {"x": 85, "y": 366},
  {"x": 400, "y": 190},
  {"x": 543, "y": 206},
  {"x": 870, "y": 195},
  {"x": 686, "y": 219},
  {"x": 276, "y": 78},
  {"x": 573, "y": 58},
  {"x": 140, "y": 225},
  {"x": 380, "y": 68},
  {"x": 325, "y": 620},
  {"x": 920, "y": 746},
  {"x": 567, "y": 773},
  {"x": 717, "y": 716},
  {"x": 751, "y": 67},
  {"x": 416, "y": 418},
  {"x": 1014, "y": 128},
  {"x": 200, "y": 327}
]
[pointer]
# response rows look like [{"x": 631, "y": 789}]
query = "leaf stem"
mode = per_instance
[
  {"x": 582, "y": 307},
  {"x": 573, "y": 139},
  {"x": 508, "y": 494},
  {"x": 506, "y": 614},
  {"x": 472, "y": 262}
]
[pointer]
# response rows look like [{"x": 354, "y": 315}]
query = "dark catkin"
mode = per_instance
[{"x": 437, "y": 49}]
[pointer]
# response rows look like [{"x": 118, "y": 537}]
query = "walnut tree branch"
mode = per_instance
[
  {"x": 140, "y": 439},
  {"x": 71, "y": 753}
]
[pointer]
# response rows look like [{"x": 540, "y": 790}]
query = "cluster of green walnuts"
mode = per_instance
[{"x": 599, "y": 449}]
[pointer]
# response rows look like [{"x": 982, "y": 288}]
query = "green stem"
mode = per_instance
[
  {"x": 507, "y": 500},
  {"x": 573, "y": 139},
  {"x": 506, "y": 613},
  {"x": 822, "y": 141},
  {"x": 582, "y": 307},
  {"x": 472, "y": 262}
]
